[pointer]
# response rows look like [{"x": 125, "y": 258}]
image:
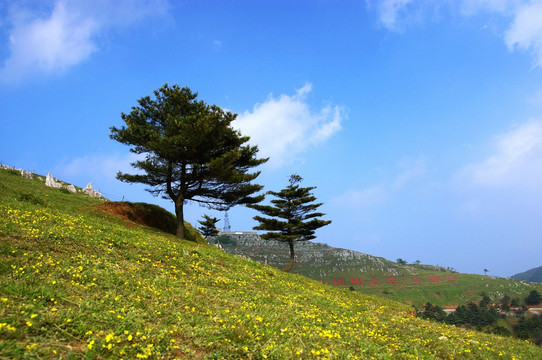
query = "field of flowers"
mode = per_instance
[{"x": 80, "y": 284}]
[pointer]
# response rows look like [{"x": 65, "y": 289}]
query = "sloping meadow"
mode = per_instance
[{"x": 79, "y": 283}]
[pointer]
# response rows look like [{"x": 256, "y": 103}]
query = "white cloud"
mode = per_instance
[
  {"x": 391, "y": 10},
  {"x": 356, "y": 198},
  {"x": 285, "y": 127},
  {"x": 66, "y": 35},
  {"x": 516, "y": 162},
  {"x": 524, "y": 29},
  {"x": 525, "y": 33}
]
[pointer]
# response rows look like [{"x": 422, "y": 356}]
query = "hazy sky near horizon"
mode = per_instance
[{"x": 419, "y": 121}]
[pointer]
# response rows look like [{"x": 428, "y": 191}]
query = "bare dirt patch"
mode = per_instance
[{"x": 143, "y": 214}]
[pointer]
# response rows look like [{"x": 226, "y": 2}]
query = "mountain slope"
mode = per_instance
[
  {"x": 413, "y": 284},
  {"x": 533, "y": 275},
  {"x": 80, "y": 283}
]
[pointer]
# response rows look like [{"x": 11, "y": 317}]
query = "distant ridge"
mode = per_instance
[
  {"x": 315, "y": 260},
  {"x": 533, "y": 275},
  {"x": 414, "y": 284}
]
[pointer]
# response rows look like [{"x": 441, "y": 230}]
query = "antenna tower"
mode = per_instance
[{"x": 227, "y": 226}]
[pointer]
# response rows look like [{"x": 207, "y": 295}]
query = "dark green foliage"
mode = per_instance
[
  {"x": 190, "y": 152},
  {"x": 433, "y": 312},
  {"x": 191, "y": 234},
  {"x": 470, "y": 315},
  {"x": 500, "y": 330},
  {"x": 483, "y": 317},
  {"x": 291, "y": 217},
  {"x": 485, "y": 301},
  {"x": 505, "y": 303},
  {"x": 530, "y": 328},
  {"x": 155, "y": 216},
  {"x": 401, "y": 261},
  {"x": 473, "y": 315},
  {"x": 208, "y": 226},
  {"x": 30, "y": 198},
  {"x": 533, "y": 298}
]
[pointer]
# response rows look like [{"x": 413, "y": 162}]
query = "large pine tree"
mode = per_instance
[
  {"x": 191, "y": 152},
  {"x": 291, "y": 217}
]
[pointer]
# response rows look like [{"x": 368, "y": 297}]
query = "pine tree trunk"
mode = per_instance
[
  {"x": 179, "y": 211},
  {"x": 291, "y": 263}
]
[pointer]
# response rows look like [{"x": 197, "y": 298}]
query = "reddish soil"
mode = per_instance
[{"x": 140, "y": 214}]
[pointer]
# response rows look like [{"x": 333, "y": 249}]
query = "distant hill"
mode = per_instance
[
  {"x": 533, "y": 275},
  {"x": 413, "y": 284}
]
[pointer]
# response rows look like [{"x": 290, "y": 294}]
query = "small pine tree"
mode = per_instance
[
  {"x": 292, "y": 216},
  {"x": 505, "y": 303},
  {"x": 208, "y": 226},
  {"x": 533, "y": 298},
  {"x": 484, "y": 303}
]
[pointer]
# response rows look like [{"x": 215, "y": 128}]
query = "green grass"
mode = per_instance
[
  {"x": 78, "y": 283},
  {"x": 447, "y": 288},
  {"x": 412, "y": 284}
]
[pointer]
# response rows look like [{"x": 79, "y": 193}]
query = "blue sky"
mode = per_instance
[{"x": 419, "y": 121}]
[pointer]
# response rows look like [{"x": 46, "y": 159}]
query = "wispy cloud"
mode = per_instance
[
  {"x": 95, "y": 167},
  {"x": 53, "y": 39},
  {"x": 523, "y": 29},
  {"x": 284, "y": 127},
  {"x": 411, "y": 169},
  {"x": 525, "y": 33},
  {"x": 516, "y": 162},
  {"x": 392, "y": 12},
  {"x": 359, "y": 198},
  {"x": 471, "y": 7}
]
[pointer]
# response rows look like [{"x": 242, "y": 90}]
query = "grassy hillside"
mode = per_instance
[
  {"x": 412, "y": 284},
  {"x": 80, "y": 283}
]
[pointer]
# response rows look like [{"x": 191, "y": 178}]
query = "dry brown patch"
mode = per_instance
[{"x": 140, "y": 214}]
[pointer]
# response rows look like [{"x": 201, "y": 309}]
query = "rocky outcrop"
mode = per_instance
[
  {"x": 55, "y": 183},
  {"x": 89, "y": 190},
  {"x": 26, "y": 174},
  {"x": 52, "y": 182}
]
